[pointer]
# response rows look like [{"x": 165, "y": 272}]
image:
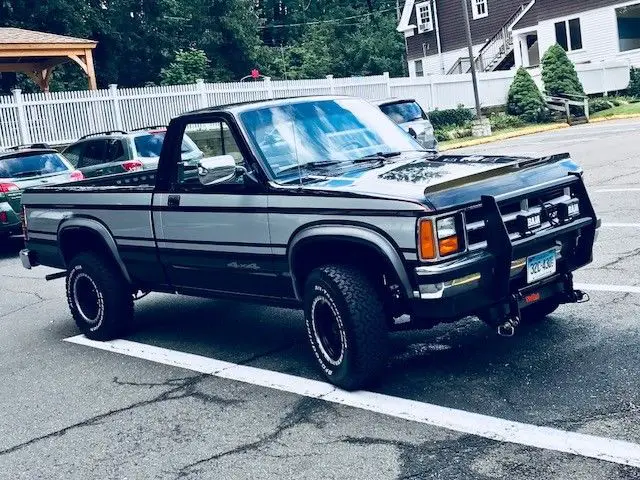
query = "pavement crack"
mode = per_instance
[
  {"x": 11, "y": 312},
  {"x": 180, "y": 388},
  {"x": 613, "y": 265},
  {"x": 305, "y": 411},
  {"x": 268, "y": 353}
]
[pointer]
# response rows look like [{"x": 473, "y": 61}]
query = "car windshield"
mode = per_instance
[
  {"x": 403, "y": 112},
  {"x": 317, "y": 132},
  {"x": 149, "y": 145},
  {"x": 25, "y": 166}
]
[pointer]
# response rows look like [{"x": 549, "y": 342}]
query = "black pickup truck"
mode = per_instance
[{"x": 323, "y": 204}]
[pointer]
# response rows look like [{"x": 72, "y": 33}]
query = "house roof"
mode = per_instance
[
  {"x": 406, "y": 16},
  {"x": 9, "y": 35}
]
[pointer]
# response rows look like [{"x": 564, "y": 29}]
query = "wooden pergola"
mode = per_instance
[{"x": 36, "y": 54}]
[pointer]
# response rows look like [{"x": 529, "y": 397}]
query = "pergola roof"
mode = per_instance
[{"x": 37, "y": 54}]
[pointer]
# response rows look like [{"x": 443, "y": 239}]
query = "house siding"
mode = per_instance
[
  {"x": 599, "y": 35},
  {"x": 452, "y": 31},
  {"x": 550, "y": 9}
]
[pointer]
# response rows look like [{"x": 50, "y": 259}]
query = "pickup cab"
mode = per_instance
[{"x": 322, "y": 204}]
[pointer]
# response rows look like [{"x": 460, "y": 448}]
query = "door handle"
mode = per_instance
[{"x": 174, "y": 201}]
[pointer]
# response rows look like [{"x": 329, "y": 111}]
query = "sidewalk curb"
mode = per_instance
[
  {"x": 621, "y": 116},
  {"x": 505, "y": 136}
]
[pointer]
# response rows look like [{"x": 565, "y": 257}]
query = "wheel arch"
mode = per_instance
[
  {"x": 346, "y": 235},
  {"x": 81, "y": 229}
]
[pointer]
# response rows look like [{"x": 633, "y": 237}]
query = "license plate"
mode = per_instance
[{"x": 541, "y": 266}]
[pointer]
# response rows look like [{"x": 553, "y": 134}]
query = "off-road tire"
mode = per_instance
[
  {"x": 539, "y": 311},
  {"x": 113, "y": 309},
  {"x": 349, "y": 299}
]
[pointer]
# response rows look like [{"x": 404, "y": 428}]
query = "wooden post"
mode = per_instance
[{"x": 91, "y": 73}]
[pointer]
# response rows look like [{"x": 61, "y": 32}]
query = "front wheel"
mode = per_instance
[
  {"x": 98, "y": 296},
  {"x": 345, "y": 321}
]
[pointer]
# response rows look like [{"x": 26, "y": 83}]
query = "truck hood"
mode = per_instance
[{"x": 446, "y": 181}]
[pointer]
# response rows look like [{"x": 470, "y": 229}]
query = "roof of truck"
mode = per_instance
[{"x": 256, "y": 104}]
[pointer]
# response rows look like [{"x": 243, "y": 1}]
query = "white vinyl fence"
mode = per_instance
[{"x": 62, "y": 117}]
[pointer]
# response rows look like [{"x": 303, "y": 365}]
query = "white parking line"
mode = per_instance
[
  {"x": 616, "y": 451},
  {"x": 617, "y": 190},
  {"x": 607, "y": 288},
  {"x": 621, "y": 225}
]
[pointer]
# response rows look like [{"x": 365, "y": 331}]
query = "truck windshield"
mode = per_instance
[
  {"x": 316, "y": 132},
  {"x": 404, "y": 112},
  {"x": 26, "y": 166}
]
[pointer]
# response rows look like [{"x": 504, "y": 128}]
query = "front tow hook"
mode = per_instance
[{"x": 508, "y": 328}]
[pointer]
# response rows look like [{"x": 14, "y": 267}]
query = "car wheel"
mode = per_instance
[
  {"x": 345, "y": 321},
  {"x": 98, "y": 296},
  {"x": 539, "y": 311}
]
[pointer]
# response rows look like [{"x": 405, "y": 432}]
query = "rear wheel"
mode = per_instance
[
  {"x": 99, "y": 297},
  {"x": 540, "y": 310},
  {"x": 346, "y": 324}
]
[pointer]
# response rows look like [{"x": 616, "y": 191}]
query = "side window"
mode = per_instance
[
  {"x": 205, "y": 141},
  {"x": 94, "y": 152},
  {"x": 73, "y": 154},
  {"x": 115, "y": 151}
]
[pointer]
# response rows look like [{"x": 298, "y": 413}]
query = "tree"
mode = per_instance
[
  {"x": 525, "y": 99},
  {"x": 634, "y": 84},
  {"x": 559, "y": 73},
  {"x": 187, "y": 67}
]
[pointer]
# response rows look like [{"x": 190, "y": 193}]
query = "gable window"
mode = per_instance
[
  {"x": 479, "y": 9},
  {"x": 629, "y": 27},
  {"x": 569, "y": 34},
  {"x": 419, "y": 68},
  {"x": 424, "y": 16}
]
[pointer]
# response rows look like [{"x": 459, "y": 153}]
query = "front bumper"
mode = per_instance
[{"x": 492, "y": 278}]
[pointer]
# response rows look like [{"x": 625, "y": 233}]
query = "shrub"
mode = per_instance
[
  {"x": 502, "y": 121},
  {"x": 634, "y": 84},
  {"x": 599, "y": 104},
  {"x": 559, "y": 73},
  {"x": 457, "y": 117},
  {"x": 452, "y": 132},
  {"x": 525, "y": 100}
]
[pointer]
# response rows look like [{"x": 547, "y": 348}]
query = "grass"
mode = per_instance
[{"x": 629, "y": 109}]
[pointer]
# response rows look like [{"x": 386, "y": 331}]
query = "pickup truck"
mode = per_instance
[{"x": 322, "y": 204}]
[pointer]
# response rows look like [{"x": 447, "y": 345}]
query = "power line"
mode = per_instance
[{"x": 319, "y": 22}]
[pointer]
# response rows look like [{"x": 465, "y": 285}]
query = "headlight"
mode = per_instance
[{"x": 448, "y": 239}]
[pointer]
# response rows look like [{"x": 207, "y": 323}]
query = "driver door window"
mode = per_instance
[{"x": 213, "y": 139}]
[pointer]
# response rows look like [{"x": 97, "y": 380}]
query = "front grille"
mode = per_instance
[{"x": 510, "y": 210}]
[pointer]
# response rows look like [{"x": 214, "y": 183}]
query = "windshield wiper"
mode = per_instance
[{"x": 309, "y": 166}]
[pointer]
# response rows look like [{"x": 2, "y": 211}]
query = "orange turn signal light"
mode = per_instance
[
  {"x": 427, "y": 240},
  {"x": 449, "y": 246}
]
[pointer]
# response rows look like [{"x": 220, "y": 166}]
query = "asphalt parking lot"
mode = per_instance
[{"x": 149, "y": 407}]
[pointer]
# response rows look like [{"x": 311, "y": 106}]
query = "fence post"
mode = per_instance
[
  {"x": 267, "y": 81},
  {"x": 25, "y": 137},
  {"x": 115, "y": 105},
  {"x": 604, "y": 80},
  {"x": 586, "y": 108},
  {"x": 332, "y": 84},
  {"x": 203, "y": 102},
  {"x": 387, "y": 80},
  {"x": 432, "y": 92}
]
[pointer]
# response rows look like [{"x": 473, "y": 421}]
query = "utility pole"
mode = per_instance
[{"x": 472, "y": 60}]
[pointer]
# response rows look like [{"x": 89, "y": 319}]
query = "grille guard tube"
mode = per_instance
[{"x": 501, "y": 247}]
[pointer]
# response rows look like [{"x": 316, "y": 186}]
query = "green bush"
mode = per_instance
[
  {"x": 452, "y": 132},
  {"x": 525, "y": 100},
  {"x": 634, "y": 84},
  {"x": 559, "y": 73},
  {"x": 599, "y": 104},
  {"x": 502, "y": 121},
  {"x": 458, "y": 117}
]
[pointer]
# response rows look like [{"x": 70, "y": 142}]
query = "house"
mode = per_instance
[
  {"x": 589, "y": 30},
  {"x": 436, "y": 39},
  {"x": 514, "y": 33}
]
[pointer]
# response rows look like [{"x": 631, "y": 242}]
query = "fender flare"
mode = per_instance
[
  {"x": 353, "y": 233},
  {"x": 103, "y": 232}
]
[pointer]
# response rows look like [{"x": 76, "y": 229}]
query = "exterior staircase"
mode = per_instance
[{"x": 493, "y": 53}]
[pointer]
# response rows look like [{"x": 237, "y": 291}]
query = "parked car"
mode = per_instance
[
  {"x": 113, "y": 152},
  {"x": 412, "y": 118},
  {"x": 26, "y": 166},
  {"x": 322, "y": 204}
]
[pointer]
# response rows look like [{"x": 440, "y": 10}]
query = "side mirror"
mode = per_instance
[{"x": 215, "y": 170}]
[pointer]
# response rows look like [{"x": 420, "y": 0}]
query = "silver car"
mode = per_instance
[{"x": 409, "y": 115}]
